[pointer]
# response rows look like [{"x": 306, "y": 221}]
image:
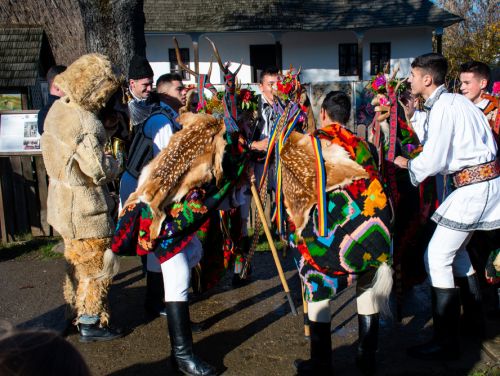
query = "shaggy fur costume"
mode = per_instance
[
  {"x": 78, "y": 200},
  {"x": 91, "y": 268},
  {"x": 73, "y": 151}
]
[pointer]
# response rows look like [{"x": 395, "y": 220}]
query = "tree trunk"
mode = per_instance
[{"x": 114, "y": 28}]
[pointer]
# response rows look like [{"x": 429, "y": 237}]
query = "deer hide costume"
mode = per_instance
[
  {"x": 192, "y": 158},
  {"x": 78, "y": 199},
  {"x": 357, "y": 211},
  {"x": 299, "y": 174}
]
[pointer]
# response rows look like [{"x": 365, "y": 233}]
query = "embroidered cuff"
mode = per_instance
[{"x": 413, "y": 179}]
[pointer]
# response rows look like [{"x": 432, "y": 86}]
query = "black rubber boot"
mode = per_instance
[
  {"x": 446, "y": 316},
  {"x": 153, "y": 304},
  {"x": 368, "y": 343},
  {"x": 321, "y": 352},
  {"x": 181, "y": 340},
  {"x": 471, "y": 298},
  {"x": 96, "y": 333}
]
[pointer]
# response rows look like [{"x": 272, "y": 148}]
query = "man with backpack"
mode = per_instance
[
  {"x": 169, "y": 280},
  {"x": 151, "y": 136}
]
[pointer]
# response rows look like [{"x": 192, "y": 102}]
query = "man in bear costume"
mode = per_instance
[{"x": 73, "y": 147}]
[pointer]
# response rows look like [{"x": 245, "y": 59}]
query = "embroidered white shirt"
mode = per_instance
[{"x": 458, "y": 136}]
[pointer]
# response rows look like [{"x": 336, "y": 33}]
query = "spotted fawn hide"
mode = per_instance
[
  {"x": 192, "y": 158},
  {"x": 299, "y": 174}
]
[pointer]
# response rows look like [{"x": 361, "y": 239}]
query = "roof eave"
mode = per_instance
[{"x": 434, "y": 24}]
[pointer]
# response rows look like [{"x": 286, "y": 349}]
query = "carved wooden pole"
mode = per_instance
[
  {"x": 269, "y": 237},
  {"x": 307, "y": 329}
]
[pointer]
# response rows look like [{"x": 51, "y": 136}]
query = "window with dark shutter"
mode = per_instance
[
  {"x": 380, "y": 55},
  {"x": 174, "y": 66},
  {"x": 348, "y": 59}
]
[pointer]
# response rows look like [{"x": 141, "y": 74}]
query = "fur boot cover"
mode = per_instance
[
  {"x": 73, "y": 151},
  {"x": 91, "y": 268}
]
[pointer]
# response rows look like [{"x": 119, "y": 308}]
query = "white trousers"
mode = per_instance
[
  {"x": 446, "y": 256},
  {"x": 320, "y": 311},
  {"x": 177, "y": 271}
]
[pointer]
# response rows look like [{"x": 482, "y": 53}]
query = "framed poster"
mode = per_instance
[
  {"x": 11, "y": 101},
  {"x": 319, "y": 90},
  {"x": 19, "y": 131}
]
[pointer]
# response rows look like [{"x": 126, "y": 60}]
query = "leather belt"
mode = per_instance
[{"x": 476, "y": 174}]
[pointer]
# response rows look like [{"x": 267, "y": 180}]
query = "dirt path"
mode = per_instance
[{"x": 249, "y": 330}]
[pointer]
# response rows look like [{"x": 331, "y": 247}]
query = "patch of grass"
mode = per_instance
[
  {"x": 263, "y": 245},
  {"x": 27, "y": 246}
]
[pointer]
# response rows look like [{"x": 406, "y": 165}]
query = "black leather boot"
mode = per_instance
[
  {"x": 153, "y": 304},
  {"x": 97, "y": 333},
  {"x": 321, "y": 352},
  {"x": 368, "y": 343},
  {"x": 471, "y": 298},
  {"x": 446, "y": 316},
  {"x": 181, "y": 340}
]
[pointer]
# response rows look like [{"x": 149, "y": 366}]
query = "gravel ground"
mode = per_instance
[{"x": 248, "y": 331}]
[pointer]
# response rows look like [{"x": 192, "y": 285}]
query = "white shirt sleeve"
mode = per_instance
[
  {"x": 458, "y": 136},
  {"x": 433, "y": 158},
  {"x": 159, "y": 128},
  {"x": 418, "y": 124}
]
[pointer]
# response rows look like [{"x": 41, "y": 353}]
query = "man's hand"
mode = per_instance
[
  {"x": 401, "y": 162},
  {"x": 259, "y": 145},
  {"x": 410, "y": 107}
]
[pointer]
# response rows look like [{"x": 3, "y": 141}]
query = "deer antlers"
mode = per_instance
[
  {"x": 224, "y": 68},
  {"x": 184, "y": 66}
]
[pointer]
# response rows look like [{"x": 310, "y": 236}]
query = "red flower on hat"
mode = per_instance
[
  {"x": 496, "y": 88},
  {"x": 286, "y": 88},
  {"x": 245, "y": 95}
]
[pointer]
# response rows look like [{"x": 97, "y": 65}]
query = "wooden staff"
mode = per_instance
[
  {"x": 262, "y": 216},
  {"x": 307, "y": 331}
]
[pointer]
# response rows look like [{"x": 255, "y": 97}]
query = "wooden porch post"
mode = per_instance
[
  {"x": 359, "y": 36},
  {"x": 279, "y": 50},
  {"x": 195, "y": 37}
]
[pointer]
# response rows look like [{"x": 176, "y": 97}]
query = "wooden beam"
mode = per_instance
[
  {"x": 3, "y": 228},
  {"x": 359, "y": 37},
  {"x": 41, "y": 177},
  {"x": 18, "y": 184}
]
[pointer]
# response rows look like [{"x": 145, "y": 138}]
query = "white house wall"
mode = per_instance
[
  {"x": 231, "y": 47},
  {"x": 316, "y": 53},
  {"x": 406, "y": 44}
]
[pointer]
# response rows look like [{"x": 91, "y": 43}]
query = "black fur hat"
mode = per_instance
[{"x": 139, "y": 68}]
